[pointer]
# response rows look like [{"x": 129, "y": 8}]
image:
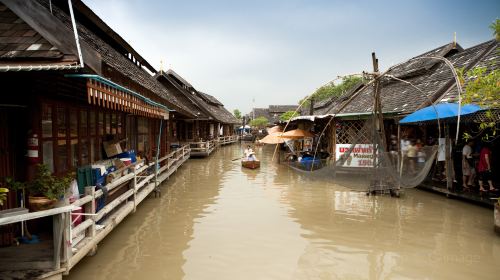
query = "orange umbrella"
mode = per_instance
[
  {"x": 273, "y": 138},
  {"x": 274, "y": 129},
  {"x": 297, "y": 134}
]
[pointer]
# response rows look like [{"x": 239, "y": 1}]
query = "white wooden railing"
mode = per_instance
[
  {"x": 142, "y": 180},
  {"x": 223, "y": 140},
  {"x": 61, "y": 222},
  {"x": 72, "y": 243},
  {"x": 203, "y": 146}
]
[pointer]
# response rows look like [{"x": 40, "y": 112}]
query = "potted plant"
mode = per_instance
[
  {"x": 12, "y": 185},
  {"x": 46, "y": 189},
  {"x": 3, "y": 195}
]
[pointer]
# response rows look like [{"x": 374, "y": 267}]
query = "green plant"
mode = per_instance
[
  {"x": 10, "y": 185},
  {"x": 286, "y": 116},
  {"x": 237, "y": 113},
  {"x": 331, "y": 89},
  {"x": 495, "y": 26},
  {"x": 259, "y": 122},
  {"x": 14, "y": 185},
  {"x": 482, "y": 87},
  {"x": 48, "y": 185},
  {"x": 3, "y": 195}
]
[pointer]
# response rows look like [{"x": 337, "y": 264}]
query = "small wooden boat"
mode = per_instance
[
  {"x": 251, "y": 164},
  {"x": 248, "y": 138}
]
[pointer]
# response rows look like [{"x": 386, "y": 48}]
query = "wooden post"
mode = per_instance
[
  {"x": 134, "y": 183},
  {"x": 334, "y": 146},
  {"x": 57, "y": 227},
  {"x": 90, "y": 208},
  {"x": 156, "y": 189},
  {"x": 448, "y": 163},
  {"x": 399, "y": 147},
  {"x": 67, "y": 253}
]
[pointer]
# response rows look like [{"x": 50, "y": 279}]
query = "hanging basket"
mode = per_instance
[{"x": 39, "y": 203}]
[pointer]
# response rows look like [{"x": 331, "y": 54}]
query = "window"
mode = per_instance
[
  {"x": 92, "y": 123},
  {"x": 46, "y": 120},
  {"x": 76, "y": 137},
  {"x": 108, "y": 123},
  {"x": 143, "y": 136},
  {"x": 100, "y": 123},
  {"x": 189, "y": 129},
  {"x": 114, "y": 123}
]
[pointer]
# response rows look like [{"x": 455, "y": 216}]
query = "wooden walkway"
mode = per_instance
[
  {"x": 472, "y": 197},
  {"x": 205, "y": 148},
  {"x": 55, "y": 256}
]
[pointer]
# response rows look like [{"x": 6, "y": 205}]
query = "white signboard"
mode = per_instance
[{"x": 360, "y": 156}]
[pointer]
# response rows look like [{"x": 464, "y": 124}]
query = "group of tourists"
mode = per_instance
[
  {"x": 412, "y": 150},
  {"x": 477, "y": 163}
]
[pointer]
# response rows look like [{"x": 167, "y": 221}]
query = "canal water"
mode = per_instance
[{"x": 216, "y": 220}]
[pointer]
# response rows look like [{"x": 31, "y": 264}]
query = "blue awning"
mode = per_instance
[{"x": 441, "y": 111}]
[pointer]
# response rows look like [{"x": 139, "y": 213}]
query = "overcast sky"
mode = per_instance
[{"x": 277, "y": 52}]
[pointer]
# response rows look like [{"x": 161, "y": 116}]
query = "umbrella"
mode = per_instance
[
  {"x": 274, "y": 129},
  {"x": 273, "y": 138},
  {"x": 444, "y": 110},
  {"x": 297, "y": 134}
]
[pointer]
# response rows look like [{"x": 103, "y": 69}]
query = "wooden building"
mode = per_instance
[
  {"x": 272, "y": 112},
  {"x": 417, "y": 83},
  {"x": 72, "y": 108},
  {"x": 65, "y": 92},
  {"x": 213, "y": 124}
]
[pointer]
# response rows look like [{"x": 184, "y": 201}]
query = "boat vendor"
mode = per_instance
[{"x": 249, "y": 154}]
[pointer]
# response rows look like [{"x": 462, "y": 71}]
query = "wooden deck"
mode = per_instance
[
  {"x": 205, "y": 148},
  {"x": 472, "y": 197},
  {"x": 202, "y": 149},
  {"x": 55, "y": 256}
]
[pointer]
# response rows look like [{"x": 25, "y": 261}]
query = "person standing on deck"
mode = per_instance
[
  {"x": 468, "y": 171},
  {"x": 484, "y": 168}
]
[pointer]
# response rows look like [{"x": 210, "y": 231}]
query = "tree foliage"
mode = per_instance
[
  {"x": 237, "y": 113},
  {"x": 286, "y": 116},
  {"x": 331, "y": 89},
  {"x": 495, "y": 26},
  {"x": 259, "y": 122},
  {"x": 483, "y": 88}
]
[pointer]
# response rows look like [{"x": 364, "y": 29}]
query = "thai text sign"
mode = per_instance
[{"x": 360, "y": 156}]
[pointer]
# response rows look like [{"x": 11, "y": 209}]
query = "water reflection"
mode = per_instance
[{"x": 216, "y": 220}]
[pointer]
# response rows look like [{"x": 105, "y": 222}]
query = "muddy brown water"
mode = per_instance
[{"x": 216, "y": 220}]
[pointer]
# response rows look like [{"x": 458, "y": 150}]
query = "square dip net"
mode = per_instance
[{"x": 368, "y": 158}]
